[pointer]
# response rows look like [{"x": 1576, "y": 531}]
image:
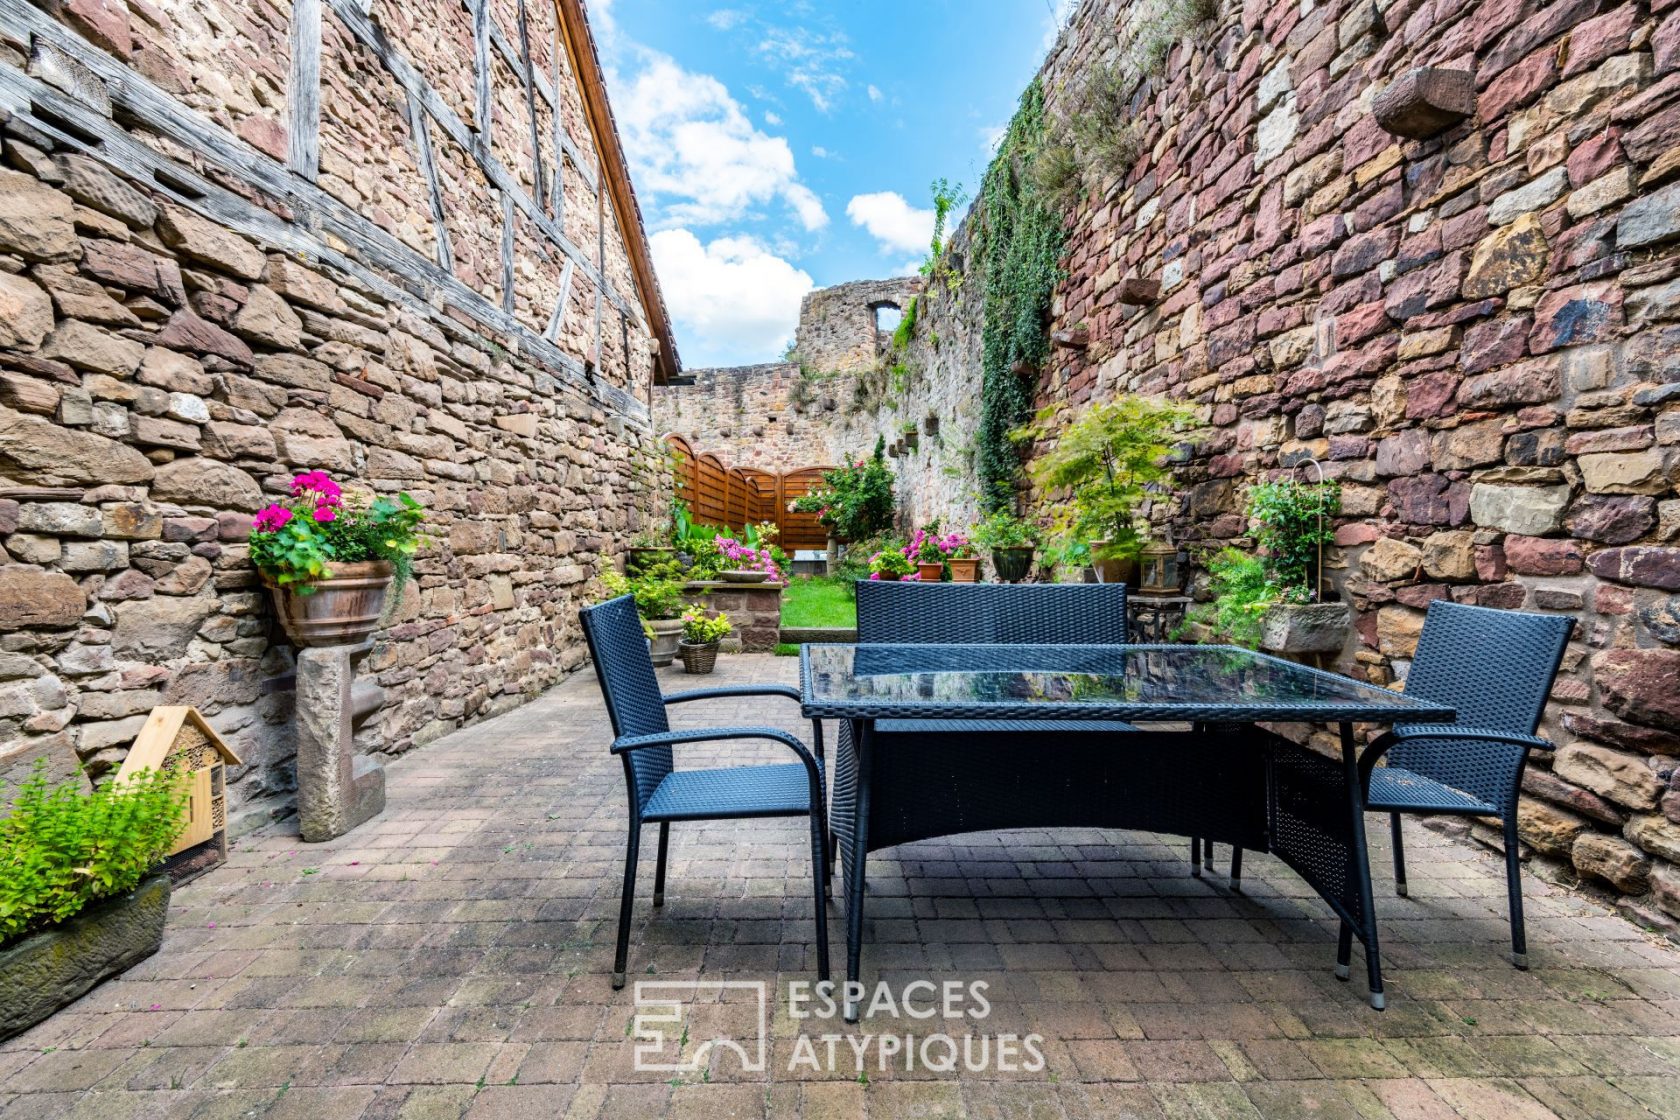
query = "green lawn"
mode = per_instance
[{"x": 818, "y": 603}]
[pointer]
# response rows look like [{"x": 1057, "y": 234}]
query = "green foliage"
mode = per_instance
[
  {"x": 854, "y": 564},
  {"x": 657, "y": 589},
  {"x": 61, "y": 849},
  {"x": 890, "y": 564},
  {"x": 1003, "y": 529},
  {"x": 1107, "y": 460},
  {"x": 1244, "y": 589},
  {"x": 295, "y": 542},
  {"x": 906, "y": 329},
  {"x": 700, "y": 628},
  {"x": 1019, "y": 239},
  {"x": 947, "y": 197},
  {"x": 854, "y": 501},
  {"x": 1296, "y": 524}
]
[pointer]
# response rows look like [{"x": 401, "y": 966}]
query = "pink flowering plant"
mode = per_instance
[
  {"x": 741, "y": 558},
  {"x": 929, "y": 546},
  {"x": 294, "y": 542}
]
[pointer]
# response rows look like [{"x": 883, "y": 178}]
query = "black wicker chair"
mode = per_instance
[
  {"x": 1496, "y": 668},
  {"x": 642, "y": 736}
]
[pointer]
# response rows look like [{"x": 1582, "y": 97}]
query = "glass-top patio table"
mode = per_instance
[{"x": 1222, "y": 778}]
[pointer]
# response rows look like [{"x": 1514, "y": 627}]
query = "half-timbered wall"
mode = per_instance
[{"x": 243, "y": 238}]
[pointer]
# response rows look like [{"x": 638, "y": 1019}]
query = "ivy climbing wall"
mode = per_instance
[{"x": 1477, "y": 333}]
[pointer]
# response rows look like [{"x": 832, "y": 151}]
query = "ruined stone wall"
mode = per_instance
[
  {"x": 787, "y": 415},
  {"x": 196, "y": 305},
  {"x": 1478, "y": 335}
]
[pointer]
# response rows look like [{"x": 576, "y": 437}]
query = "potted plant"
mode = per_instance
[
  {"x": 1107, "y": 461},
  {"x": 648, "y": 547},
  {"x": 701, "y": 634},
  {"x": 891, "y": 564},
  {"x": 78, "y": 899},
  {"x": 853, "y": 502},
  {"x": 929, "y": 549},
  {"x": 746, "y": 564},
  {"x": 964, "y": 562},
  {"x": 330, "y": 558},
  {"x": 1012, "y": 543},
  {"x": 1293, "y": 527},
  {"x": 658, "y": 594}
]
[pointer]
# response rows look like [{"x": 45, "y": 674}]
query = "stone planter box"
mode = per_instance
[
  {"x": 755, "y": 609},
  {"x": 48, "y": 970},
  {"x": 1306, "y": 627}
]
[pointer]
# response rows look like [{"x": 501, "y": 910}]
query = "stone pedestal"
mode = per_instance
[{"x": 337, "y": 788}]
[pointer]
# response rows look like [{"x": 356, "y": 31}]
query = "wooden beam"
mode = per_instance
[
  {"x": 507, "y": 253},
  {"x": 558, "y": 319},
  {"x": 387, "y": 266},
  {"x": 481, "y": 68},
  {"x": 428, "y": 167},
  {"x": 303, "y": 91},
  {"x": 527, "y": 75},
  {"x": 615, "y": 177}
]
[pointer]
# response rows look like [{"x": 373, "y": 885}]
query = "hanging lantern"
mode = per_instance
[{"x": 1161, "y": 572}]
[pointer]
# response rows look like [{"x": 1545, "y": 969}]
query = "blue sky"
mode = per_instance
[{"x": 778, "y": 147}]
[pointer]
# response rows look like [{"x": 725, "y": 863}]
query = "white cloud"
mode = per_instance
[
  {"x": 874, "y": 92},
  {"x": 696, "y": 154},
  {"x": 810, "y": 61},
  {"x": 734, "y": 302},
  {"x": 897, "y": 225},
  {"x": 820, "y": 152},
  {"x": 725, "y": 18},
  {"x": 771, "y": 119}
]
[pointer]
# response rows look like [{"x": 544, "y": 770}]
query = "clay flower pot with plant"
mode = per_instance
[
  {"x": 891, "y": 565},
  {"x": 657, "y": 591},
  {"x": 1107, "y": 462},
  {"x": 80, "y": 898},
  {"x": 331, "y": 558},
  {"x": 1012, "y": 543},
  {"x": 929, "y": 549},
  {"x": 964, "y": 562},
  {"x": 701, "y": 635}
]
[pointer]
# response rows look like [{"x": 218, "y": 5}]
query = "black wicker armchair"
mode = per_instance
[
  {"x": 659, "y": 792},
  {"x": 1496, "y": 668}
]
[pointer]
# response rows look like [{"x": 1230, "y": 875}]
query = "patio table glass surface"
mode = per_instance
[{"x": 1138, "y": 682}]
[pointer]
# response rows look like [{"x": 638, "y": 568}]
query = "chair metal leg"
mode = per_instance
[
  {"x": 863, "y": 736},
  {"x": 819, "y": 879},
  {"x": 828, "y": 827},
  {"x": 659, "y": 865},
  {"x": 1236, "y": 870},
  {"x": 626, "y": 898},
  {"x": 1196, "y": 856},
  {"x": 1207, "y": 856},
  {"x": 1344, "y": 952},
  {"x": 1399, "y": 855},
  {"x": 1513, "y": 886}
]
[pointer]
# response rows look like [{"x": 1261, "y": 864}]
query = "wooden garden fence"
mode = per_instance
[{"x": 736, "y": 496}]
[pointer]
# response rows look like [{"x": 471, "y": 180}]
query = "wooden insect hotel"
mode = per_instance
[{"x": 178, "y": 738}]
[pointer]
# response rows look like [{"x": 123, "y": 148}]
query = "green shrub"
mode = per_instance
[
  {"x": 61, "y": 849},
  {"x": 1243, "y": 591},
  {"x": 1296, "y": 525},
  {"x": 854, "y": 501},
  {"x": 657, "y": 589}
]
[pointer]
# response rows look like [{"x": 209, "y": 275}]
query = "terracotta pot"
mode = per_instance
[
  {"x": 667, "y": 632},
  {"x": 1113, "y": 569},
  {"x": 1012, "y": 564},
  {"x": 698, "y": 657},
  {"x": 965, "y": 569},
  {"x": 341, "y": 611},
  {"x": 930, "y": 573}
]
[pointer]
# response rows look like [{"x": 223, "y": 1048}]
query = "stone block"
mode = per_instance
[
  {"x": 1617, "y": 775},
  {"x": 36, "y": 222},
  {"x": 1450, "y": 555},
  {"x": 200, "y": 483},
  {"x": 26, "y": 313},
  {"x": 1527, "y": 510},
  {"x": 1641, "y": 685},
  {"x": 1425, "y": 101},
  {"x": 1655, "y": 834},
  {"x": 1613, "y": 860},
  {"x": 1390, "y": 560},
  {"x": 1651, "y": 220},
  {"x": 1637, "y": 472},
  {"x": 337, "y": 789},
  {"x": 1398, "y": 631},
  {"x": 1547, "y": 828},
  {"x": 1641, "y": 566},
  {"x": 202, "y": 240},
  {"x": 30, "y": 597}
]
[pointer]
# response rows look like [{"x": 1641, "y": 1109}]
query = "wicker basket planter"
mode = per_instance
[
  {"x": 965, "y": 569},
  {"x": 698, "y": 657},
  {"x": 1012, "y": 565},
  {"x": 44, "y": 971},
  {"x": 341, "y": 611}
]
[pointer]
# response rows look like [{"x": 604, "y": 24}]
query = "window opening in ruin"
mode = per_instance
[{"x": 887, "y": 317}]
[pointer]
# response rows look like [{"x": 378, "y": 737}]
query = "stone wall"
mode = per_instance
[
  {"x": 195, "y": 305},
  {"x": 787, "y": 415},
  {"x": 1478, "y": 334}
]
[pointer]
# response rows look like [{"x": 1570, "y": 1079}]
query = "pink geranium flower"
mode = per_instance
[
  {"x": 325, "y": 512},
  {"x": 271, "y": 520},
  {"x": 318, "y": 483}
]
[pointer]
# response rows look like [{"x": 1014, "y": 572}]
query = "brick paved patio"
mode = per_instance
[{"x": 451, "y": 959}]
